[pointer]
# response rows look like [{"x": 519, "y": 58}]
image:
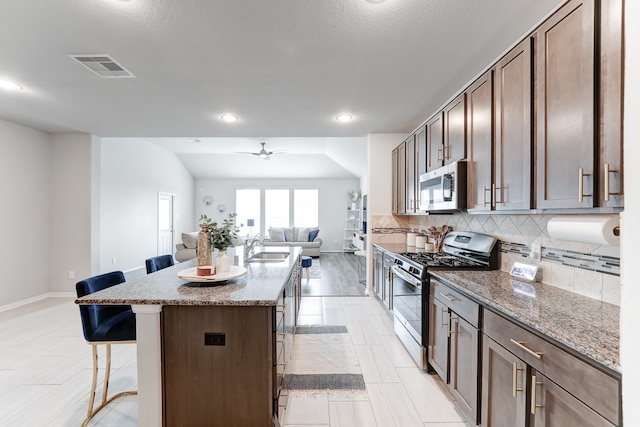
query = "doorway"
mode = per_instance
[{"x": 166, "y": 238}]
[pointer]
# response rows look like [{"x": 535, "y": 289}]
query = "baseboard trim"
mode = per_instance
[{"x": 37, "y": 298}]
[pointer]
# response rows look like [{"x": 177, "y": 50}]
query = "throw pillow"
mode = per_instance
[
  {"x": 313, "y": 233},
  {"x": 276, "y": 234},
  {"x": 288, "y": 235},
  {"x": 302, "y": 234},
  {"x": 190, "y": 240}
]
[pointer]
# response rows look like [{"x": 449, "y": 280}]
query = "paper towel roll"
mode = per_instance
[{"x": 598, "y": 230}]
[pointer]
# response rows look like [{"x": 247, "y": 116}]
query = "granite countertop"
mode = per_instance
[
  {"x": 262, "y": 285},
  {"x": 587, "y": 326}
]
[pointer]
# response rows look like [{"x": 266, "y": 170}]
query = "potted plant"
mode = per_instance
[{"x": 221, "y": 237}]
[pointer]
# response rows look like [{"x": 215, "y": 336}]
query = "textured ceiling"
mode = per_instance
[{"x": 285, "y": 67}]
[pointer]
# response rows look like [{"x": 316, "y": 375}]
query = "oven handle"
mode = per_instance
[{"x": 412, "y": 280}]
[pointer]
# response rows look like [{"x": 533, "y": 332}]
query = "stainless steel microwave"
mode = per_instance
[{"x": 444, "y": 189}]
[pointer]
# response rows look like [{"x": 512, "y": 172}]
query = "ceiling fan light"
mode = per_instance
[
  {"x": 229, "y": 118},
  {"x": 344, "y": 118}
]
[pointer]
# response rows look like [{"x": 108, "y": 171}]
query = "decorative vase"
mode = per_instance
[
  {"x": 204, "y": 247},
  {"x": 223, "y": 262}
]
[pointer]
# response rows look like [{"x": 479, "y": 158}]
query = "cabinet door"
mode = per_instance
[
  {"x": 439, "y": 338},
  {"x": 464, "y": 366},
  {"x": 455, "y": 130},
  {"x": 513, "y": 129},
  {"x": 503, "y": 387},
  {"x": 394, "y": 181},
  {"x": 611, "y": 89},
  {"x": 565, "y": 114},
  {"x": 551, "y": 405},
  {"x": 435, "y": 135},
  {"x": 421, "y": 160},
  {"x": 480, "y": 139},
  {"x": 402, "y": 178},
  {"x": 410, "y": 177}
]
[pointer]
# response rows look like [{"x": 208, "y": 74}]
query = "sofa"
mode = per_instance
[{"x": 305, "y": 237}]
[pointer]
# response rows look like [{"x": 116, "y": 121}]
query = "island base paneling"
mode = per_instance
[{"x": 227, "y": 385}]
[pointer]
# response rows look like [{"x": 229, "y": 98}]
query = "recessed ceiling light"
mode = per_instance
[
  {"x": 6, "y": 84},
  {"x": 229, "y": 118},
  {"x": 344, "y": 118}
]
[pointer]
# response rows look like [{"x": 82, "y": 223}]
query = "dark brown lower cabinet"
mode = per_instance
[
  {"x": 528, "y": 381},
  {"x": 453, "y": 345},
  {"x": 551, "y": 406},
  {"x": 503, "y": 391}
]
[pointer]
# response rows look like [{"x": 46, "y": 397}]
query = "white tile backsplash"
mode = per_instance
[{"x": 523, "y": 229}]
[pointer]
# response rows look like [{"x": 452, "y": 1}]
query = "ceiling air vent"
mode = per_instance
[{"x": 103, "y": 65}]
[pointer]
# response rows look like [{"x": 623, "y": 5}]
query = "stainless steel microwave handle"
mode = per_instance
[{"x": 412, "y": 280}]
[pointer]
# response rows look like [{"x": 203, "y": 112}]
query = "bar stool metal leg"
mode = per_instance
[{"x": 91, "y": 412}]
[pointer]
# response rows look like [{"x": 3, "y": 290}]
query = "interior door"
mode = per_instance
[{"x": 165, "y": 223}]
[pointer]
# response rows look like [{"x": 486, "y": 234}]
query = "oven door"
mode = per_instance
[{"x": 408, "y": 312}]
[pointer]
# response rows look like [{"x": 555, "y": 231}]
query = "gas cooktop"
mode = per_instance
[{"x": 461, "y": 249}]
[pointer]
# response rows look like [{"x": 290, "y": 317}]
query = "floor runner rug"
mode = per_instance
[
  {"x": 324, "y": 382},
  {"x": 321, "y": 329}
]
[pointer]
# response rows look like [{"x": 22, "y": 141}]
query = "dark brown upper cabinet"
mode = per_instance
[
  {"x": 435, "y": 138},
  {"x": 480, "y": 143},
  {"x": 611, "y": 90},
  {"x": 411, "y": 182},
  {"x": 565, "y": 81},
  {"x": 455, "y": 131},
  {"x": 513, "y": 133}
]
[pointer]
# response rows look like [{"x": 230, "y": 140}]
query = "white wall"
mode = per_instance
[
  {"x": 24, "y": 184},
  {"x": 630, "y": 237},
  {"x": 72, "y": 210},
  {"x": 332, "y": 203},
  {"x": 133, "y": 172}
]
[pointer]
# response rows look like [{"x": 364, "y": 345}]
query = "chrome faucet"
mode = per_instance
[{"x": 250, "y": 243}]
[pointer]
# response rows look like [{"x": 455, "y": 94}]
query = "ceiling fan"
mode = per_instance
[{"x": 263, "y": 153}]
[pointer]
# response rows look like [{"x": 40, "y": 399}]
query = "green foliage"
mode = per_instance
[{"x": 221, "y": 236}]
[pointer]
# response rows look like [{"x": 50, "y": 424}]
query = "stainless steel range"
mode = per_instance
[{"x": 461, "y": 250}]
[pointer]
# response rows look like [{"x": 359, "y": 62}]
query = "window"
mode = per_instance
[
  {"x": 276, "y": 208},
  {"x": 248, "y": 208},
  {"x": 305, "y": 208}
]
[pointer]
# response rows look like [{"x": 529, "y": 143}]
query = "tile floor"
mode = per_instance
[{"x": 45, "y": 371}]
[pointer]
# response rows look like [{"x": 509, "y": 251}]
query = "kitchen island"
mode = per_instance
[{"x": 209, "y": 353}]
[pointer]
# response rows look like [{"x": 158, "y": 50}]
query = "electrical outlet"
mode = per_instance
[
  {"x": 214, "y": 338},
  {"x": 536, "y": 252},
  {"x": 72, "y": 274}
]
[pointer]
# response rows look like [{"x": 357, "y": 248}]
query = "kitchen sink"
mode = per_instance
[{"x": 268, "y": 257}]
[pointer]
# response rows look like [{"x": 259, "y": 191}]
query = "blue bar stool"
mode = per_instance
[
  {"x": 158, "y": 263},
  {"x": 104, "y": 325},
  {"x": 306, "y": 264}
]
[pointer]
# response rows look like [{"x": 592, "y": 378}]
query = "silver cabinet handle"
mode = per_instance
[
  {"x": 440, "y": 150},
  {"x": 448, "y": 297},
  {"x": 521, "y": 345},
  {"x": 534, "y": 385},
  {"x": 484, "y": 195},
  {"x": 451, "y": 330},
  {"x": 581, "y": 176},
  {"x": 516, "y": 390},
  {"x": 608, "y": 171}
]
